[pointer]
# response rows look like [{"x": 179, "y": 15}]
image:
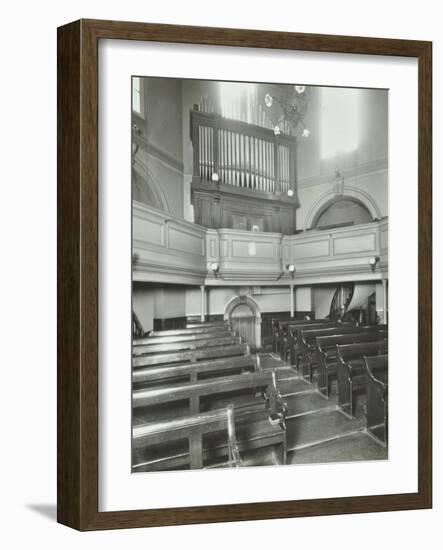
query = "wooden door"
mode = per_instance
[{"x": 243, "y": 321}]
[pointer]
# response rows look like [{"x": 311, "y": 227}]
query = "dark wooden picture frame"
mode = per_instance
[{"x": 78, "y": 244}]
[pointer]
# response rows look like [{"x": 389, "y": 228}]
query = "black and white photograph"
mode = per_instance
[{"x": 260, "y": 228}]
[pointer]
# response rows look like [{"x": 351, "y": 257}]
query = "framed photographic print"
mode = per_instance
[{"x": 244, "y": 245}]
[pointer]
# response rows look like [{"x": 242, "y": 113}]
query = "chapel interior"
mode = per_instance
[{"x": 260, "y": 274}]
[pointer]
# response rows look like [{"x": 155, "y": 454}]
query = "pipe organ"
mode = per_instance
[{"x": 244, "y": 175}]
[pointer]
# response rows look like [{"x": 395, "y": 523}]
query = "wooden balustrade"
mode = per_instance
[{"x": 242, "y": 154}]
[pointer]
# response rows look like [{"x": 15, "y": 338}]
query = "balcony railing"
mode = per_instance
[
  {"x": 171, "y": 250},
  {"x": 241, "y": 154}
]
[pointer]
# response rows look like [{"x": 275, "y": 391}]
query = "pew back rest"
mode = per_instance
[
  {"x": 190, "y": 355},
  {"x": 309, "y": 336},
  {"x": 283, "y": 325},
  {"x": 188, "y": 344},
  {"x": 299, "y": 333},
  {"x": 208, "y": 324},
  {"x": 349, "y": 352},
  {"x": 192, "y": 371},
  {"x": 193, "y": 391},
  {"x": 328, "y": 342},
  {"x": 188, "y": 331},
  {"x": 150, "y": 340},
  {"x": 193, "y": 428}
]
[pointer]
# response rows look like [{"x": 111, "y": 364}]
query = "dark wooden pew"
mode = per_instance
[
  {"x": 276, "y": 326},
  {"x": 259, "y": 418},
  {"x": 190, "y": 355},
  {"x": 275, "y": 332},
  {"x": 376, "y": 369},
  {"x": 151, "y": 340},
  {"x": 207, "y": 324},
  {"x": 185, "y": 331},
  {"x": 191, "y": 372},
  {"x": 293, "y": 337},
  {"x": 285, "y": 347},
  {"x": 280, "y": 327},
  {"x": 307, "y": 341},
  {"x": 350, "y": 370},
  {"x": 326, "y": 353},
  {"x": 173, "y": 347},
  {"x": 159, "y": 446}
]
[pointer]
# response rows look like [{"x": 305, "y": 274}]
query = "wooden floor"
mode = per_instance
[{"x": 317, "y": 431}]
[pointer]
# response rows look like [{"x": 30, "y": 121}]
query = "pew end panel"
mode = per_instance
[
  {"x": 191, "y": 428},
  {"x": 351, "y": 374},
  {"x": 377, "y": 397}
]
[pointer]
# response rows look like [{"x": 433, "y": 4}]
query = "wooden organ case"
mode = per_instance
[{"x": 244, "y": 175}]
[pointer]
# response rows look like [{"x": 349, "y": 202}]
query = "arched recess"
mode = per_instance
[
  {"x": 350, "y": 193},
  {"x": 146, "y": 189},
  {"x": 243, "y": 304},
  {"x": 342, "y": 209}
]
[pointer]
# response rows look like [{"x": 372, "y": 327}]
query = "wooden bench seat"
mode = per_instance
[
  {"x": 307, "y": 342},
  {"x": 207, "y": 324},
  {"x": 185, "y": 331},
  {"x": 376, "y": 369},
  {"x": 172, "y": 347},
  {"x": 351, "y": 371},
  {"x": 280, "y": 329},
  {"x": 191, "y": 372},
  {"x": 326, "y": 353},
  {"x": 293, "y": 338},
  {"x": 278, "y": 324},
  {"x": 151, "y": 340},
  {"x": 259, "y": 408},
  {"x": 187, "y": 356},
  {"x": 275, "y": 332},
  {"x": 177, "y": 444}
]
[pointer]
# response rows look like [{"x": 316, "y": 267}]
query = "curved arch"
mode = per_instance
[
  {"x": 151, "y": 192},
  {"x": 253, "y": 306},
  {"x": 340, "y": 201},
  {"x": 238, "y": 300},
  {"x": 329, "y": 197}
]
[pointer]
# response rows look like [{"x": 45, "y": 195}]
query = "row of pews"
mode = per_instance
[
  {"x": 200, "y": 399},
  {"x": 353, "y": 359}
]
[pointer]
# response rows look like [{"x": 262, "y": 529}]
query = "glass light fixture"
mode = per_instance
[
  {"x": 373, "y": 261},
  {"x": 290, "y": 107}
]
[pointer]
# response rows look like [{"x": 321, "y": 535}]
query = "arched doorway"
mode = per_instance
[{"x": 243, "y": 314}]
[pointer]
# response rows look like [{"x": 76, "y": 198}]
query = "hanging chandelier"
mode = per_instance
[{"x": 293, "y": 105}]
